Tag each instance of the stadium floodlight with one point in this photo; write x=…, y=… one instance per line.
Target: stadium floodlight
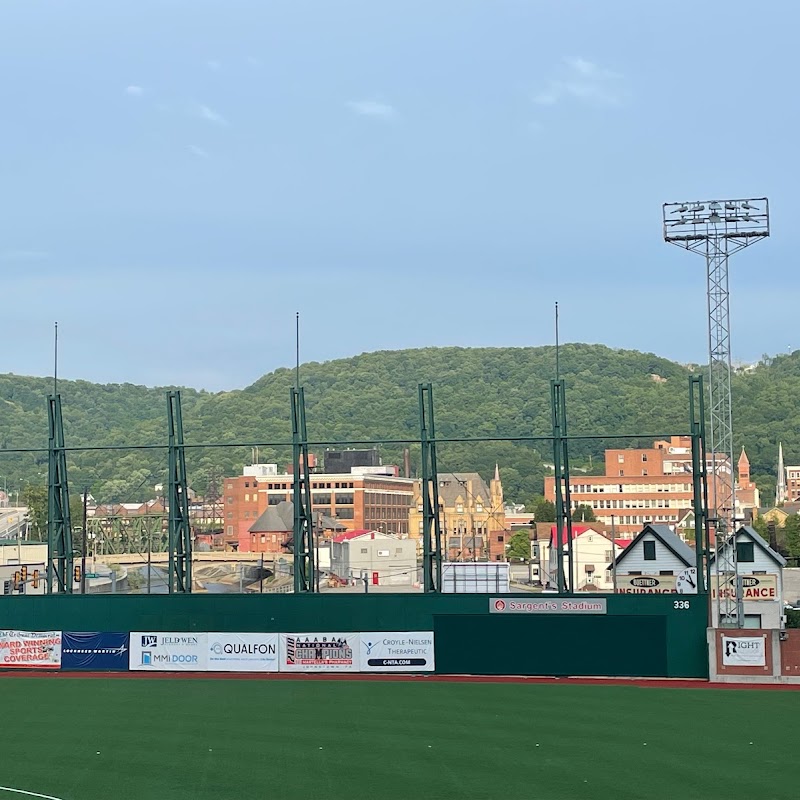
x=716, y=229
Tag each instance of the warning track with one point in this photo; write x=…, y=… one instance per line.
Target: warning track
x=651, y=683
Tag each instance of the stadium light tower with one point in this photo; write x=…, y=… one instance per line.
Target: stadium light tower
x=717, y=229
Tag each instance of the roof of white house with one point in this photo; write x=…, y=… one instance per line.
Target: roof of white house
x=753, y=534
x=668, y=538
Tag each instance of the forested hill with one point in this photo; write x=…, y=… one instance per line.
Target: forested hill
x=481, y=392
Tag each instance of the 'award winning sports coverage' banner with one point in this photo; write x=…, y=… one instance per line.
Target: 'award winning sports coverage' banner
x=243, y=652
x=30, y=649
x=397, y=652
x=96, y=651
x=169, y=652
x=322, y=652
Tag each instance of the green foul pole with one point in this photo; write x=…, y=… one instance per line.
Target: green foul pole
x=431, y=523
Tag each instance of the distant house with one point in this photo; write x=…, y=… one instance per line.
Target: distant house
x=657, y=561
x=592, y=553
x=275, y=527
x=760, y=571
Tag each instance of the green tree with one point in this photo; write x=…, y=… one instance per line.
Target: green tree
x=583, y=513
x=791, y=535
x=35, y=498
x=520, y=545
x=544, y=511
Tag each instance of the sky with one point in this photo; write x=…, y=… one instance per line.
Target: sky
x=178, y=178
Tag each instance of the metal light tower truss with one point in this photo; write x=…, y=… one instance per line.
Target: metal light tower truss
x=303, y=515
x=562, y=488
x=431, y=522
x=59, y=525
x=717, y=229
x=180, y=539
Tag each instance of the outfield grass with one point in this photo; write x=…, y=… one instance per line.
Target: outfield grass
x=98, y=739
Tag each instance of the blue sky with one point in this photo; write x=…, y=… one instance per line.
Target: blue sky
x=180, y=176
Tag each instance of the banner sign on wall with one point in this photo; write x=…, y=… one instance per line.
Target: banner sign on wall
x=743, y=651
x=502, y=605
x=98, y=651
x=40, y=650
x=397, y=652
x=754, y=587
x=327, y=652
x=171, y=652
x=243, y=652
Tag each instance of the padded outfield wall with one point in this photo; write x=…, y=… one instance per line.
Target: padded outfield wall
x=637, y=636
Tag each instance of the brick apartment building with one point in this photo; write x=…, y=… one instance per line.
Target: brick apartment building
x=642, y=486
x=374, y=498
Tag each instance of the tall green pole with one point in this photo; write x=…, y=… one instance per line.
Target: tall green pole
x=180, y=538
x=431, y=523
x=567, y=491
x=59, y=524
x=557, y=470
x=303, y=532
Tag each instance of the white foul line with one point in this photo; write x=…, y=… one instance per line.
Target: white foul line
x=29, y=794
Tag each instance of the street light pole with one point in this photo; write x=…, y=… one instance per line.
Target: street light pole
x=83, y=545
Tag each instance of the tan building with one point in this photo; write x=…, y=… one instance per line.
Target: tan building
x=472, y=516
x=640, y=487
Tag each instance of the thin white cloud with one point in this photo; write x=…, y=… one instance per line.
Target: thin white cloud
x=584, y=81
x=198, y=151
x=210, y=115
x=24, y=255
x=372, y=108
x=134, y=91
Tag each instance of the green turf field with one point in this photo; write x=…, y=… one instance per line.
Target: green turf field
x=98, y=739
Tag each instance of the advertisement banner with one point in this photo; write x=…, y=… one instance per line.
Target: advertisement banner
x=503, y=605
x=397, y=652
x=743, y=651
x=169, y=652
x=243, y=652
x=754, y=587
x=97, y=651
x=322, y=652
x=30, y=649
x=646, y=584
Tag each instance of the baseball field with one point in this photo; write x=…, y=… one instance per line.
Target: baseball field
x=80, y=738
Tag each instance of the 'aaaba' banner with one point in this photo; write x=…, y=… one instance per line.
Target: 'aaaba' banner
x=169, y=652
x=320, y=652
x=243, y=652
x=96, y=651
x=397, y=652
x=30, y=649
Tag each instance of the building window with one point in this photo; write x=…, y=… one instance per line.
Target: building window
x=621, y=473
x=246, y=485
x=459, y=508
x=500, y=538
x=745, y=551
x=649, y=550
x=230, y=530
x=228, y=499
x=479, y=507
x=644, y=456
x=247, y=498
x=344, y=499
x=620, y=459
x=344, y=513
x=363, y=551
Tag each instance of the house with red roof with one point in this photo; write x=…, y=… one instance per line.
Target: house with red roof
x=593, y=552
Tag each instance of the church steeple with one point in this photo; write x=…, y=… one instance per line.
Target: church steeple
x=780, y=488
x=743, y=469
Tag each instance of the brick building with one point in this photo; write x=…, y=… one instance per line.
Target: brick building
x=375, y=501
x=641, y=487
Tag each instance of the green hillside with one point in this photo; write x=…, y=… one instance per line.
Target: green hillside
x=478, y=392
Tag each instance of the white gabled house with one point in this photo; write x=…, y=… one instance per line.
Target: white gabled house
x=760, y=569
x=657, y=561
